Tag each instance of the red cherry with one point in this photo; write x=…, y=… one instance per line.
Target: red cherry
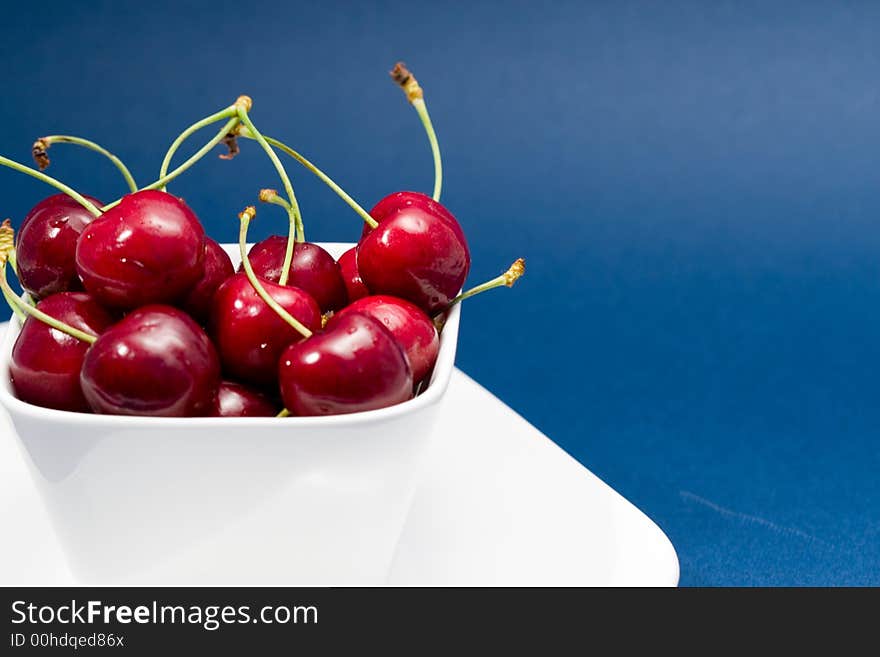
x=148, y=249
x=398, y=200
x=350, y=275
x=410, y=326
x=354, y=366
x=46, y=363
x=249, y=335
x=218, y=267
x=236, y=400
x=45, y=249
x=155, y=361
x=312, y=269
x=417, y=252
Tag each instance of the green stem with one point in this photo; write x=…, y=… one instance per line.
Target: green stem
x=39, y=175
x=283, y=413
x=204, y=150
x=508, y=278
x=271, y=196
x=320, y=174
x=10, y=258
x=245, y=218
x=295, y=215
x=416, y=96
x=422, y=110
x=46, y=142
x=9, y=294
x=183, y=136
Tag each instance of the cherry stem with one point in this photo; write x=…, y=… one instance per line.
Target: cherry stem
x=164, y=178
x=271, y=196
x=354, y=205
x=245, y=217
x=416, y=96
x=422, y=111
x=507, y=279
x=8, y=294
x=227, y=113
x=283, y=413
x=198, y=155
x=41, y=156
x=294, y=212
x=57, y=184
x=7, y=240
x=13, y=261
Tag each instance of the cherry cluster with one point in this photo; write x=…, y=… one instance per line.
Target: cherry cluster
x=131, y=309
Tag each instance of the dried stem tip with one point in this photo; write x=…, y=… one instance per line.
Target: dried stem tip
x=40, y=152
x=268, y=195
x=244, y=102
x=517, y=269
x=508, y=278
x=407, y=81
x=231, y=143
x=248, y=213
x=7, y=240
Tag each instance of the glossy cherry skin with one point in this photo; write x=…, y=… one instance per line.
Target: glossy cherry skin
x=398, y=200
x=237, y=400
x=410, y=326
x=417, y=252
x=312, y=269
x=155, y=361
x=46, y=363
x=355, y=365
x=249, y=335
x=45, y=247
x=148, y=249
x=218, y=267
x=350, y=275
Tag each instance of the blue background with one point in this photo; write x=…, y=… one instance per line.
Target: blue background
x=695, y=186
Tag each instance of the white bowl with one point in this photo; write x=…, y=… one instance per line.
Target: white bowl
x=226, y=500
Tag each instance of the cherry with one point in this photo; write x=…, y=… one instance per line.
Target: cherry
x=147, y=249
x=394, y=202
x=236, y=400
x=46, y=362
x=250, y=335
x=218, y=267
x=355, y=365
x=417, y=252
x=312, y=269
x=46, y=246
x=350, y=275
x=267, y=257
x=155, y=361
x=410, y=326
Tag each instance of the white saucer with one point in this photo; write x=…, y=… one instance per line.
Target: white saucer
x=500, y=504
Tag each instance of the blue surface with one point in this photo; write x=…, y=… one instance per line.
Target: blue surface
x=694, y=185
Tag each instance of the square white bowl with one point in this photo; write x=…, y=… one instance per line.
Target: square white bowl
x=229, y=499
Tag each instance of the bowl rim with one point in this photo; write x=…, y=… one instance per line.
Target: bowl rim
x=438, y=384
